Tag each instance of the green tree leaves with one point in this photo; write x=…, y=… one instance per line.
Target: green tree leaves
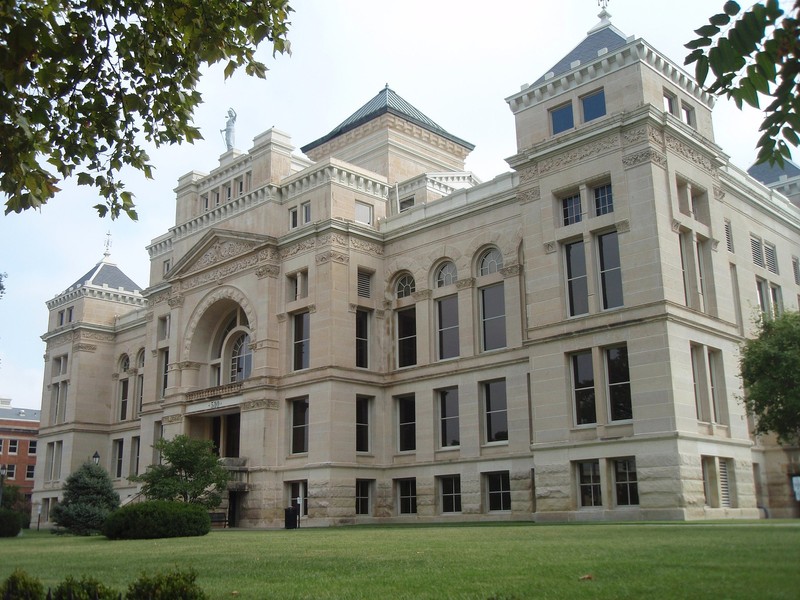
x=189, y=471
x=757, y=54
x=89, y=497
x=83, y=82
x=770, y=369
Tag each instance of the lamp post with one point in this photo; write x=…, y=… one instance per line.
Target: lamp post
x=96, y=457
x=2, y=481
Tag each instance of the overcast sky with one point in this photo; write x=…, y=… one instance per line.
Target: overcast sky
x=455, y=60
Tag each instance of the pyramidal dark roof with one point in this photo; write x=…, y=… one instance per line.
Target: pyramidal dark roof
x=387, y=101
x=106, y=273
x=769, y=174
x=602, y=36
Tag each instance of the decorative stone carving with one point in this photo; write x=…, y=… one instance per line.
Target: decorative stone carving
x=644, y=156
x=270, y=404
x=171, y=419
x=623, y=226
x=176, y=301
x=586, y=151
x=379, y=314
x=550, y=247
x=216, y=275
x=332, y=256
x=714, y=244
x=676, y=225
x=214, y=297
x=511, y=270
x=221, y=250
x=84, y=348
x=463, y=284
x=530, y=195
x=421, y=295
x=270, y=253
x=268, y=271
x=188, y=364
x=94, y=335
x=281, y=317
x=719, y=193
x=365, y=246
x=294, y=249
x=330, y=239
x=159, y=298
x=528, y=174
x=688, y=152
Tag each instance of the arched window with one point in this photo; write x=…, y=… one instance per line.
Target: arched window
x=491, y=262
x=124, y=386
x=405, y=286
x=446, y=274
x=124, y=364
x=241, y=358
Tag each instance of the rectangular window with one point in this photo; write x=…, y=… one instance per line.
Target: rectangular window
x=294, y=218
x=449, y=434
x=407, y=496
x=11, y=471
x=771, y=258
x=302, y=341
x=406, y=203
x=589, y=483
x=166, y=266
x=70, y=313
x=363, y=488
x=363, y=213
x=30, y=471
x=299, y=426
x=610, y=270
x=450, y=487
x=407, y=337
x=447, y=316
x=305, y=209
x=625, y=482
x=619, y=383
x=687, y=115
x=406, y=423
x=571, y=209
x=496, y=407
x=135, y=448
x=577, y=283
x=498, y=491
x=583, y=388
x=13, y=447
x=123, y=399
x=796, y=269
x=603, y=200
x=32, y=444
x=362, y=338
x=364, y=284
x=728, y=235
x=60, y=318
x=670, y=103
x=298, y=285
x=756, y=249
x=163, y=365
x=2, y=441
x=561, y=118
x=118, y=446
x=362, y=423
x=594, y=106
x=139, y=390
x=493, y=317
x=298, y=497
x=163, y=327
x=769, y=298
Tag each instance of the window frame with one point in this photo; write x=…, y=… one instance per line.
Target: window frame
x=449, y=418
x=450, y=494
x=301, y=340
x=571, y=209
x=406, y=495
x=406, y=321
x=559, y=122
x=589, y=484
x=447, y=327
x=362, y=338
x=609, y=266
x=587, y=101
x=363, y=417
x=577, y=282
x=406, y=411
x=618, y=390
x=363, y=493
x=584, y=397
x=498, y=491
x=603, y=199
x=626, y=487
x=300, y=417
x=495, y=408
x=493, y=324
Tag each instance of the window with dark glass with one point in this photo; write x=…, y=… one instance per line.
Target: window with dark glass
x=406, y=423
x=561, y=118
x=447, y=313
x=123, y=399
x=493, y=317
x=300, y=426
x=241, y=359
x=362, y=338
x=298, y=492
x=491, y=262
x=451, y=493
x=448, y=417
x=363, y=487
x=362, y=423
x=405, y=287
x=583, y=388
x=625, y=482
x=446, y=274
x=118, y=448
x=302, y=332
x=610, y=270
x=603, y=200
x=619, y=383
x=571, y=209
x=594, y=105
x=498, y=489
x=589, y=483
x=407, y=337
x=407, y=494
x=495, y=404
x=577, y=285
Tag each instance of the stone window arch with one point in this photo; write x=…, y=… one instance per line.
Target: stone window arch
x=491, y=261
x=405, y=286
x=446, y=274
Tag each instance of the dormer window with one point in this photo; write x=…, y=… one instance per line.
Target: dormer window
x=594, y=105
x=406, y=203
x=561, y=118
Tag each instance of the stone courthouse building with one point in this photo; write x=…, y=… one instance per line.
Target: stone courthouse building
x=368, y=332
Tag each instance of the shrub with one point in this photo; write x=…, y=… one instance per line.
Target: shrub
x=86, y=588
x=157, y=519
x=89, y=497
x=21, y=586
x=174, y=585
x=10, y=523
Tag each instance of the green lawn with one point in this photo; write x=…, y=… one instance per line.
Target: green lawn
x=698, y=560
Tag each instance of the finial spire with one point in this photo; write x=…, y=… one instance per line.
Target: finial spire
x=602, y=4
x=107, y=252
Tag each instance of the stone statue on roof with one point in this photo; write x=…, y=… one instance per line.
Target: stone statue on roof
x=229, y=131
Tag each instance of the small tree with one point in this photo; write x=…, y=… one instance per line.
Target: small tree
x=770, y=369
x=89, y=498
x=189, y=471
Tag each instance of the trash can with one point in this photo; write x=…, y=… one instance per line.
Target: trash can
x=289, y=518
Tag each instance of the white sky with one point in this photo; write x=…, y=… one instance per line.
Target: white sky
x=455, y=60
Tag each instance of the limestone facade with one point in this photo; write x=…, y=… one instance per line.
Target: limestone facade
x=375, y=336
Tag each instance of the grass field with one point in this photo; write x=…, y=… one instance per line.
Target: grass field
x=508, y=561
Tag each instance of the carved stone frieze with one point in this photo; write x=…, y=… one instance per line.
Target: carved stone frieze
x=676, y=225
x=567, y=159
x=632, y=136
x=528, y=174
x=159, y=298
x=267, y=271
x=221, y=250
x=188, y=364
x=623, y=226
x=216, y=275
x=421, y=295
x=530, y=195
x=511, y=270
x=463, y=284
x=719, y=193
x=689, y=153
x=332, y=256
x=176, y=301
x=84, y=348
x=270, y=404
x=171, y=419
x=332, y=239
x=294, y=249
x=270, y=253
x=550, y=247
x=94, y=335
x=62, y=338
x=365, y=246
x=644, y=156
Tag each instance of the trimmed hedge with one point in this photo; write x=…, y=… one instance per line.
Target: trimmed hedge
x=172, y=585
x=85, y=588
x=21, y=586
x=157, y=519
x=10, y=523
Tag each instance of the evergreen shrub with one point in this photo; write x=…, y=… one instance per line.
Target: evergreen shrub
x=157, y=519
x=10, y=523
x=85, y=588
x=21, y=586
x=173, y=585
